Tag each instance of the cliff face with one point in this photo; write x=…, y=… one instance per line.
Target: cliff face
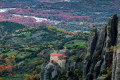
x=49, y=71
x=116, y=57
x=99, y=55
x=52, y=70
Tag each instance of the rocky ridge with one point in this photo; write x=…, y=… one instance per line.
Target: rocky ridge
x=116, y=57
x=99, y=57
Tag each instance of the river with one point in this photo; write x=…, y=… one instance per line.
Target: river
x=38, y=19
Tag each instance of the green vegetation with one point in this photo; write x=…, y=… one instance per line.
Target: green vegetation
x=9, y=27
x=33, y=60
x=21, y=48
x=9, y=54
x=50, y=51
x=6, y=78
x=21, y=55
x=15, y=76
x=81, y=44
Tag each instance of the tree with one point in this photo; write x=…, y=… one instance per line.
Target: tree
x=111, y=48
x=34, y=72
x=67, y=74
x=80, y=78
x=27, y=77
x=33, y=76
x=8, y=61
x=4, y=56
x=1, y=79
x=7, y=68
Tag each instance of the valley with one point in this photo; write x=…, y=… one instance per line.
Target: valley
x=59, y=39
x=63, y=15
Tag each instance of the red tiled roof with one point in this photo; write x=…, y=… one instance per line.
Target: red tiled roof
x=64, y=56
x=58, y=54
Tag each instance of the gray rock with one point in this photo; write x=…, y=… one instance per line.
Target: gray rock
x=103, y=66
x=101, y=78
x=89, y=77
x=91, y=43
x=101, y=41
x=54, y=74
x=72, y=66
x=49, y=71
x=99, y=56
x=97, y=68
x=91, y=46
x=116, y=58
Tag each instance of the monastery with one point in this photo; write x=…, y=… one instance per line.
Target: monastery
x=58, y=58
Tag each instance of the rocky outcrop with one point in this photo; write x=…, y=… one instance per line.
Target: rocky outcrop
x=116, y=57
x=101, y=78
x=52, y=69
x=91, y=47
x=99, y=55
x=49, y=71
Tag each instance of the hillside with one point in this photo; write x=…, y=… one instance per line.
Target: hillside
x=14, y=32
x=10, y=27
x=20, y=50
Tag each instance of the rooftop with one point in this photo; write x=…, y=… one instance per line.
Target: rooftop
x=58, y=54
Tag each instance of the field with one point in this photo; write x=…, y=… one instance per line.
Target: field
x=75, y=43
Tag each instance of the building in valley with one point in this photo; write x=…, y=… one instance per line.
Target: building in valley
x=58, y=58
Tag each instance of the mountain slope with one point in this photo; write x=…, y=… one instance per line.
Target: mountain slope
x=25, y=49
x=39, y=35
x=15, y=35
x=10, y=27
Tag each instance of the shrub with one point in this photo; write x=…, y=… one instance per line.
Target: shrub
x=111, y=48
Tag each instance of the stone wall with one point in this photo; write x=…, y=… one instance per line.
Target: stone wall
x=62, y=63
x=54, y=58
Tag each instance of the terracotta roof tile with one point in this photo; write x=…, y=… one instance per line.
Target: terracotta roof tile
x=58, y=54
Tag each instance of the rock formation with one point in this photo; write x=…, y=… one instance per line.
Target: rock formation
x=52, y=69
x=99, y=55
x=116, y=57
x=49, y=71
